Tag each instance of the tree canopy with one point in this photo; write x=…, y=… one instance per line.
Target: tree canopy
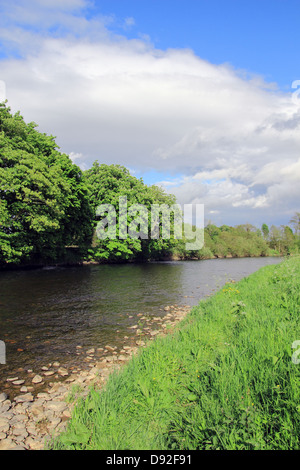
x=44, y=204
x=107, y=183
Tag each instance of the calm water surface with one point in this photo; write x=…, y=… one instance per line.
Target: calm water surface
x=46, y=313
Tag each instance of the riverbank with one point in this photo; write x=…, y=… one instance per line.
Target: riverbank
x=225, y=379
x=34, y=409
x=80, y=263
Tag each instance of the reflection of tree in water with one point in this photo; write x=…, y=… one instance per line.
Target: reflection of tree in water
x=46, y=314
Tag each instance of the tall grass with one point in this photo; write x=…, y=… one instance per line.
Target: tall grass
x=224, y=379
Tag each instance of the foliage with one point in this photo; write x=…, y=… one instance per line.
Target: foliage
x=43, y=199
x=107, y=183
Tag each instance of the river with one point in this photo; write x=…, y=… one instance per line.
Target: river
x=45, y=314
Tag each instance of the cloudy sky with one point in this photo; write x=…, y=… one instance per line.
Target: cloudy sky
x=202, y=97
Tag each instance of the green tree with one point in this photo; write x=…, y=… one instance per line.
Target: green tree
x=43, y=199
x=295, y=221
x=107, y=183
x=288, y=239
x=265, y=230
x=275, y=238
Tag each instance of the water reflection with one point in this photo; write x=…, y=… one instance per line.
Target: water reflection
x=46, y=313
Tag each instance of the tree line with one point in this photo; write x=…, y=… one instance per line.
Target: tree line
x=48, y=209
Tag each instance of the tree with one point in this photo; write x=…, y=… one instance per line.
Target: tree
x=43, y=198
x=275, y=238
x=247, y=228
x=107, y=183
x=265, y=230
x=295, y=221
x=288, y=239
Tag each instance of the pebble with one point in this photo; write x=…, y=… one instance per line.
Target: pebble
x=3, y=397
x=18, y=382
x=37, y=379
x=4, y=424
x=6, y=444
x=57, y=406
x=48, y=373
x=122, y=357
x=63, y=372
x=24, y=398
x=90, y=351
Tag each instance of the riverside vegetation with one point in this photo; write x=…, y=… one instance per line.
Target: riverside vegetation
x=223, y=378
x=48, y=204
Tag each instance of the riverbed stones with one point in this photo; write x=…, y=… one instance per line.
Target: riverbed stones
x=6, y=444
x=48, y=373
x=37, y=379
x=57, y=406
x=3, y=397
x=27, y=397
x=4, y=424
x=18, y=382
x=31, y=418
x=63, y=371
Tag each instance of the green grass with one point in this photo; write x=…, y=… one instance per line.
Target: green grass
x=224, y=379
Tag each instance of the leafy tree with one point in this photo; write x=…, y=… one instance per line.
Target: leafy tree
x=247, y=228
x=288, y=239
x=275, y=238
x=213, y=231
x=265, y=230
x=107, y=183
x=43, y=198
x=295, y=221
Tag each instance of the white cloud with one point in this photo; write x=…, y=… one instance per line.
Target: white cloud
x=129, y=21
x=235, y=138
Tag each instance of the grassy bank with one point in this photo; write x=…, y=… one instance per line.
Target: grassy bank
x=224, y=379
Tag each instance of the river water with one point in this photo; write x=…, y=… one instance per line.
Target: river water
x=46, y=313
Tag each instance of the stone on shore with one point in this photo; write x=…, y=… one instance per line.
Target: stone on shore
x=24, y=398
x=37, y=379
x=3, y=397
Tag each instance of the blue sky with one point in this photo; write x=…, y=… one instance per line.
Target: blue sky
x=194, y=95
x=260, y=36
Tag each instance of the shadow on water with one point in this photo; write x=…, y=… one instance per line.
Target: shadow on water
x=46, y=313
